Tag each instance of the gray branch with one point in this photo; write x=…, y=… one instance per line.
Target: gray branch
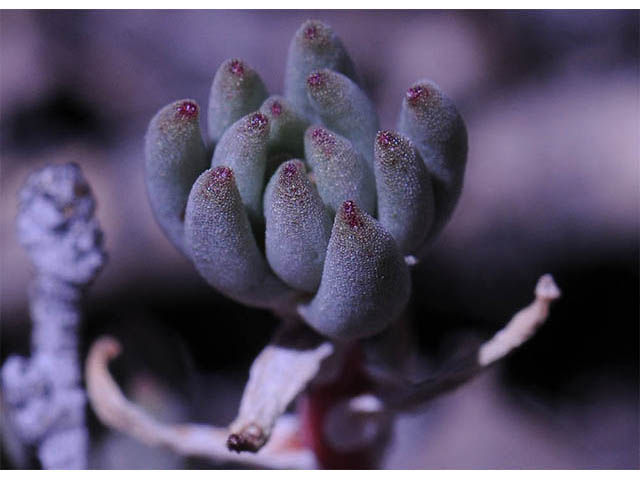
x=44, y=395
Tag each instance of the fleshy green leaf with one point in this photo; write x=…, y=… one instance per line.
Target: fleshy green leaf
x=287, y=126
x=174, y=157
x=298, y=227
x=344, y=108
x=236, y=90
x=340, y=172
x=365, y=282
x=313, y=47
x=243, y=148
x=405, y=196
x=432, y=122
x=223, y=248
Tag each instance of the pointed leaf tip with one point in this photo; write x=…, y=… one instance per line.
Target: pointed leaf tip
x=416, y=93
x=315, y=34
x=316, y=79
x=351, y=215
x=187, y=109
x=219, y=178
x=236, y=67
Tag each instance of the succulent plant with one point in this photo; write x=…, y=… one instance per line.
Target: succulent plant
x=299, y=203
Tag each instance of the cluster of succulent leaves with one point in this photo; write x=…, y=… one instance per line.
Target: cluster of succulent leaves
x=299, y=202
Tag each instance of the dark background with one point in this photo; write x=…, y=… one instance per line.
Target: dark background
x=551, y=101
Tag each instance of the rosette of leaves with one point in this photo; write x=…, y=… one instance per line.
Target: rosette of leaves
x=299, y=202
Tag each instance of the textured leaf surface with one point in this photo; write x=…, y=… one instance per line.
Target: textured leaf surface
x=243, y=148
x=287, y=126
x=431, y=120
x=298, y=227
x=174, y=157
x=237, y=90
x=223, y=248
x=344, y=108
x=405, y=196
x=365, y=282
x=313, y=47
x=340, y=172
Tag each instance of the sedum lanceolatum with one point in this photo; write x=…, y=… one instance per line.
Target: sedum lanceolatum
x=299, y=203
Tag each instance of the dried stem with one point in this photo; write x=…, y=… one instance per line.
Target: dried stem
x=114, y=410
x=522, y=326
x=278, y=375
x=281, y=371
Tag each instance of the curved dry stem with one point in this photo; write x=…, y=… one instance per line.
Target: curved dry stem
x=522, y=326
x=281, y=371
x=115, y=411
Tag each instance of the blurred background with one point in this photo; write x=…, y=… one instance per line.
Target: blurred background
x=551, y=101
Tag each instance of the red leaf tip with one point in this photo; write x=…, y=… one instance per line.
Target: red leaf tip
x=187, y=109
x=323, y=138
x=387, y=139
x=351, y=215
x=257, y=122
x=415, y=93
x=221, y=173
x=276, y=109
x=217, y=177
x=314, y=34
x=290, y=169
x=290, y=180
x=320, y=135
x=310, y=32
x=236, y=67
x=316, y=79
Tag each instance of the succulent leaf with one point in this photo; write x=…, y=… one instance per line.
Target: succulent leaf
x=313, y=47
x=287, y=126
x=298, y=227
x=243, y=148
x=174, y=157
x=237, y=90
x=344, y=108
x=431, y=120
x=223, y=248
x=365, y=281
x=340, y=172
x=405, y=195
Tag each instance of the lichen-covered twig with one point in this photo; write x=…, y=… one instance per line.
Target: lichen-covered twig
x=44, y=397
x=114, y=410
x=520, y=328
